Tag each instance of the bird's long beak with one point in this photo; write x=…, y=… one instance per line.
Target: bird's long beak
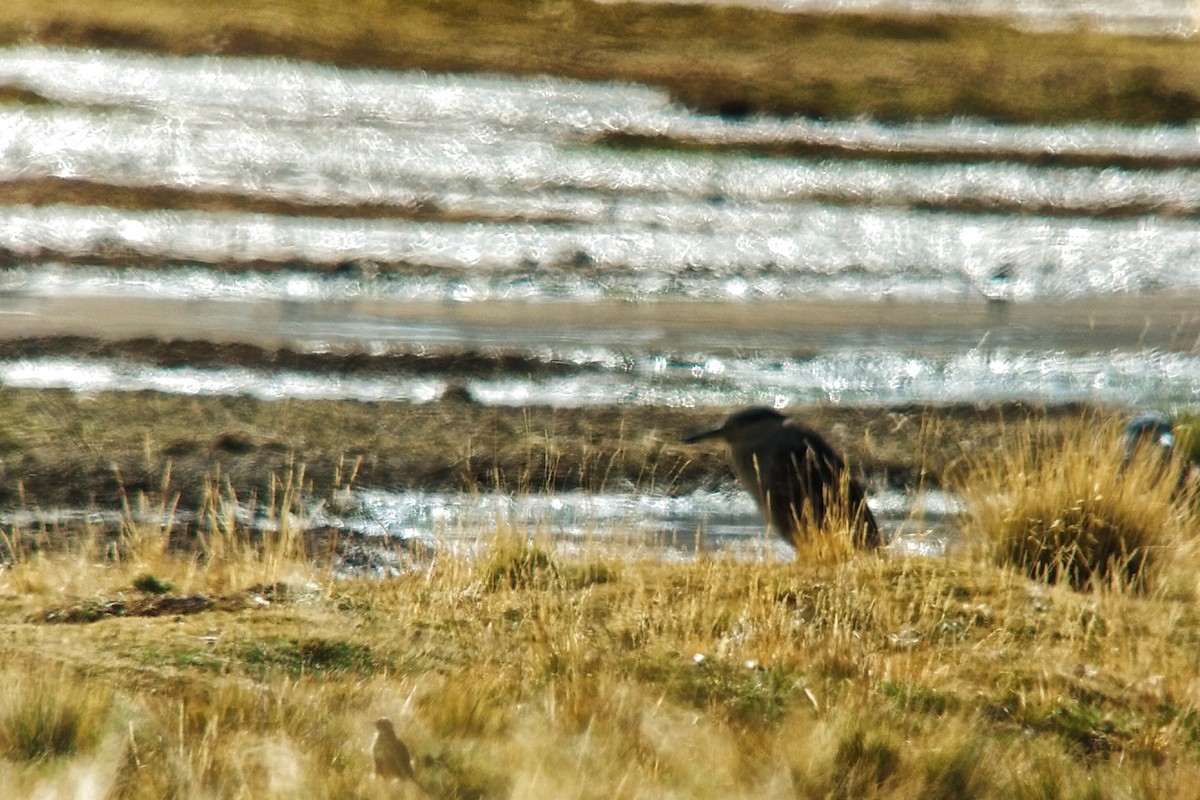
x=700, y=436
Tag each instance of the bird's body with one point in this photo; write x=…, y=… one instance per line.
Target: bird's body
x=1149, y=431
x=392, y=759
x=1150, y=437
x=794, y=475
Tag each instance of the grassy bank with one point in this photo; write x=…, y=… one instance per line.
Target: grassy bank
x=236, y=670
x=723, y=59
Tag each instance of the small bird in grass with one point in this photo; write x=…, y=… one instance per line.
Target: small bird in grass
x=1151, y=434
x=793, y=474
x=1150, y=431
x=391, y=756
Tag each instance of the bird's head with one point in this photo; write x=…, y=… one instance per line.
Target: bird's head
x=739, y=425
x=384, y=725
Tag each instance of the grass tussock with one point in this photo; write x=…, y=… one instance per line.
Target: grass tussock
x=43, y=717
x=1062, y=507
x=1187, y=434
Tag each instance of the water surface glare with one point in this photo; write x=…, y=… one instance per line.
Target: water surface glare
x=671, y=527
x=852, y=377
x=530, y=203
x=529, y=211
x=415, y=212
x=383, y=532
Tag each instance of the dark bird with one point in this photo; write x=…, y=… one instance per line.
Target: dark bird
x=793, y=474
x=1149, y=432
x=1151, y=435
x=391, y=756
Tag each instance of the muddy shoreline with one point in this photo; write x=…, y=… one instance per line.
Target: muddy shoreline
x=62, y=449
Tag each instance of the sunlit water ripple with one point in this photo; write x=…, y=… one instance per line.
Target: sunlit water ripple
x=641, y=223
x=384, y=532
x=850, y=377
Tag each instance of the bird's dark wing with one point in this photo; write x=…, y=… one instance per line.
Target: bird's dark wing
x=801, y=473
x=815, y=472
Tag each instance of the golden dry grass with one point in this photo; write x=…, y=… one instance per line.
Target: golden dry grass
x=518, y=670
x=1060, y=505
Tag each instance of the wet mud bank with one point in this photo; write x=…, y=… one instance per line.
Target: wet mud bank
x=64, y=449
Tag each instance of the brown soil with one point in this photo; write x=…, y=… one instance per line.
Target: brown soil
x=48, y=191
x=899, y=153
x=447, y=362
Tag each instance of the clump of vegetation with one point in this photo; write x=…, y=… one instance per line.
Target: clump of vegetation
x=1187, y=437
x=318, y=657
x=1063, y=507
x=520, y=565
x=151, y=584
x=44, y=716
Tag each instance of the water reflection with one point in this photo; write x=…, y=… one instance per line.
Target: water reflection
x=382, y=532
x=671, y=528
x=821, y=251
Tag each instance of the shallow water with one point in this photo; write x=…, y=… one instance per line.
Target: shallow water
x=394, y=525
x=383, y=533
x=559, y=216
x=855, y=376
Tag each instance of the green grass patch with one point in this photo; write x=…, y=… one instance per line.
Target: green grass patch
x=191, y=659
x=151, y=584
x=920, y=699
x=745, y=693
x=311, y=657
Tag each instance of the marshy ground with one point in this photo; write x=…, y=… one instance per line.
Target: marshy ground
x=133, y=671
x=204, y=655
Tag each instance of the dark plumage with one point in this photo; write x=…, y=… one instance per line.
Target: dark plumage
x=1151, y=436
x=1151, y=431
x=792, y=473
x=391, y=756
